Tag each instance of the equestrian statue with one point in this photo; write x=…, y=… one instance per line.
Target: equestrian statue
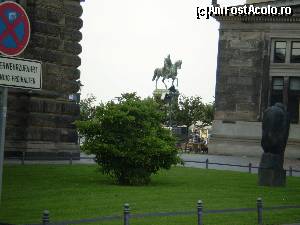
x=168, y=71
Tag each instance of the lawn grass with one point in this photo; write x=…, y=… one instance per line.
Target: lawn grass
x=73, y=192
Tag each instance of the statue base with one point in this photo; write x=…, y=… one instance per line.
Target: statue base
x=160, y=91
x=271, y=172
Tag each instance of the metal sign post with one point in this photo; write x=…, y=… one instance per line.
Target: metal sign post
x=3, y=108
x=14, y=37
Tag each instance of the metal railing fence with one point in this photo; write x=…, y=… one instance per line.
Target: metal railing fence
x=199, y=211
x=70, y=159
x=127, y=212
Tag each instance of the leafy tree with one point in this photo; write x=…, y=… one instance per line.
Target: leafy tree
x=128, y=139
x=87, y=107
x=128, y=96
x=87, y=111
x=208, y=114
x=191, y=109
x=163, y=107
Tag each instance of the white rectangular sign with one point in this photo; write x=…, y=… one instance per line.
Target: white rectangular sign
x=20, y=73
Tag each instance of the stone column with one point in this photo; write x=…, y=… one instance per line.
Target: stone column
x=286, y=91
x=41, y=122
x=299, y=111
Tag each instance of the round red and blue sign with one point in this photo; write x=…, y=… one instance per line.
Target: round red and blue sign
x=14, y=29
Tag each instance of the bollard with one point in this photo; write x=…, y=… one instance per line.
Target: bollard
x=46, y=217
x=206, y=162
x=23, y=158
x=126, y=214
x=290, y=171
x=199, y=211
x=71, y=158
x=250, y=167
x=259, y=205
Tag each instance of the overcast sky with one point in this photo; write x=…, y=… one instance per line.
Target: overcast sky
x=124, y=41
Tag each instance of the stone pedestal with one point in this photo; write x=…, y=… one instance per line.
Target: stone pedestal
x=271, y=172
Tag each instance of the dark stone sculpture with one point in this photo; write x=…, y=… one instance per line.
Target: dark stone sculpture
x=275, y=132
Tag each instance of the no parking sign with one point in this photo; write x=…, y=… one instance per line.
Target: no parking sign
x=14, y=29
x=14, y=37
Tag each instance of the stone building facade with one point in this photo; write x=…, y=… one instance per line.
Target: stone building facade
x=40, y=123
x=258, y=65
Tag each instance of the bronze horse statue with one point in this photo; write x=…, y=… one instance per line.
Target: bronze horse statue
x=168, y=71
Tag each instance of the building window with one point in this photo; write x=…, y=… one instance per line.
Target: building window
x=280, y=52
x=295, y=83
x=290, y=96
x=295, y=52
x=277, y=90
x=277, y=83
x=294, y=99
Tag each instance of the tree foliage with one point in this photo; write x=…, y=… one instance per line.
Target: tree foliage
x=191, y=110
x=208, y=114
x=163, y=107
x=128, y=139
x=87, y=107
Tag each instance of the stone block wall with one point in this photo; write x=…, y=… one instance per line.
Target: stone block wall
x=240, y=74
x=243, y=82
x=40, y=123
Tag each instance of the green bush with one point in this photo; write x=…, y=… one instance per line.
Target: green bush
x=128, y=140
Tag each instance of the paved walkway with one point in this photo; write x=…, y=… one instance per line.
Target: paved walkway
x=234, y=160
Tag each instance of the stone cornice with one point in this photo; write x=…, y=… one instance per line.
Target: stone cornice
x=277, y=3
x=260, y=19
x=265, y=19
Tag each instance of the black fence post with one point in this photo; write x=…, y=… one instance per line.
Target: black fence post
x=259, y=205
x=206, y=162
x=23, y=158
x=71, y=158
x=199, y=211
x=126, y=214
x=250, y=167
x=46, y=217
x=290, y=171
